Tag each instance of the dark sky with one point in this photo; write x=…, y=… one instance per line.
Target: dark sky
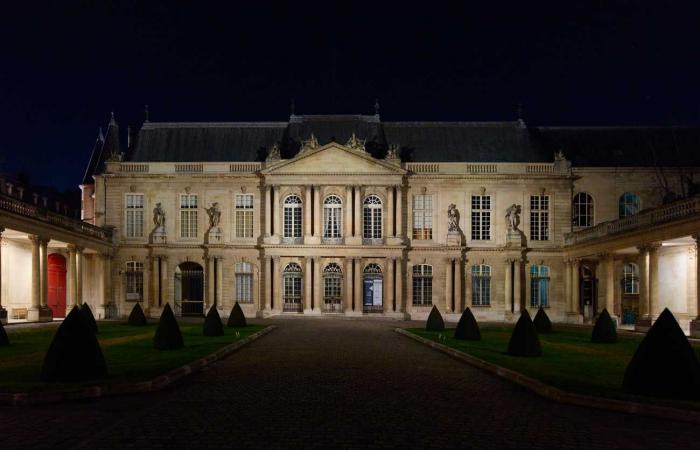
x=64, y=66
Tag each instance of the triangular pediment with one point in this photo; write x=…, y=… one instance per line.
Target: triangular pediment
x=336, y=159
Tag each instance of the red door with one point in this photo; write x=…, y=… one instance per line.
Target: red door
x=57, y=285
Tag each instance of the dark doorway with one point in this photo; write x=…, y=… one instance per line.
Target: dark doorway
x=189, y=289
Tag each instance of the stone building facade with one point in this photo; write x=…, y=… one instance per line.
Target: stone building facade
x=349, y=215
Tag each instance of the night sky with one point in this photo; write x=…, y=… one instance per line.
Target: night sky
x=65, y=66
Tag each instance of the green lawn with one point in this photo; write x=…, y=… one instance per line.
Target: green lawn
x=128, y=351
x=570, y=361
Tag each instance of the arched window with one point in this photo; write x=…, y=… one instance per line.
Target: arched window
x=372, y=217
x=332, y=217
x=630, y=278
x=583, y=210
x=291, y=282
x=629, y=204
x=292, y=217
x=332, y=282
x=481, y=285
x=244, y=282
x=539, y=286
x=372, y=293
x=422, y=284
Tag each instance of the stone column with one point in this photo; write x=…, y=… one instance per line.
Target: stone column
x=358, y=285
x=106, y=282
x=408, y=306
x=610, y=283
x=210, y=282
x=389, y=294
x=654, y=300
x=399, y=212
x=308, y=206
x=318, y=287
x=695, y=323
x=276, y=216
x=347, y=208
x=347, y=274
x=44, y=264
x=358, y=212
x=390, y=211
x=268, y=283
x=468, y=294
x=155, y=282
x=575, y=306
x=34, y=312
x=219, y=297
x=644, y=308
x=164, y=285
x=307, y=284
x=276, y=285
x=268, y=215
x=72, y=277
x=567, y=284
x=508, y=267
x=318, y=205
x=3, y=311
x=517, y=289
x=398, y=285
x=459, y=306
x=448, y=285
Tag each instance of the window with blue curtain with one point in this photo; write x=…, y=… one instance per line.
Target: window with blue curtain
x=629, y=204
x=539, y=286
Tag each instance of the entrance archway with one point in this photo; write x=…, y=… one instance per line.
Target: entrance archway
x=57, y=285
x=189, y=289
x=372, y=294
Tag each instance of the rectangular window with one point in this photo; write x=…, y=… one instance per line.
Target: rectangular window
x=481, y=217
x=539, y=217
x=134, y=281
x=539, y=286
x=422, y=217
x=481, y=285
x=134, y=215
x=244, y=215
x=422, y=285
x=244, y=282
x=188, y=215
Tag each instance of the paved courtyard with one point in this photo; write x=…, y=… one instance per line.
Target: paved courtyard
x=336, y=384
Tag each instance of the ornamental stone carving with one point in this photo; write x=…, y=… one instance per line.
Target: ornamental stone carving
x=309, y=144
x=355, y=143
x=452, y=219
x=513, y=217
x=214, y=214
x=159, y=217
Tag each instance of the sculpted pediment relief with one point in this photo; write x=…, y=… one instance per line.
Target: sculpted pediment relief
x=334, y=158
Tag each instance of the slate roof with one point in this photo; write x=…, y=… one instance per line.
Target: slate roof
x=418, y=141
x=93, y=166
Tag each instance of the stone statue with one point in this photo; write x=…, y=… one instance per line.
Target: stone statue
x=274, y=152
x=392, y=152
x=159, y=217
x=452, y=219
x=354, y=142
x=513, y=217
x=214, y=215
x=311, y=144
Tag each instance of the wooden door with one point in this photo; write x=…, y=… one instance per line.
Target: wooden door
x=57, y=285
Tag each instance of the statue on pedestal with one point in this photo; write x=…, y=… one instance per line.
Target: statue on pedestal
x=452, y=219
x=214, y=215
x=159, y=217
x=513, y=217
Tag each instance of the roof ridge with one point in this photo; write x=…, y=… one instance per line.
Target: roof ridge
x=153, y=125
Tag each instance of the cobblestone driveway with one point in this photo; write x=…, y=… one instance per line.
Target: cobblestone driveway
x=336, y=384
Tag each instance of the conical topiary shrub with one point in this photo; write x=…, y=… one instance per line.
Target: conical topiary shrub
x=665, y=364
x=236, y=319
x=4, y=340
x=604, y=331
x=467, y=328
x=74, y=353
x=212, y=323
x=524, y=341
x=542, y=322
x=137, y=317
x=435, y=322
x=87, y=313
x=168, y=335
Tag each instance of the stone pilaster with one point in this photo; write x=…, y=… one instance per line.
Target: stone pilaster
x=317, y=287
x=268, y=213
x=508, y=298
x=347, y=209
x=575, y=306
x=268, y=284
x=517, y=288
x=643, y=322
x=610, y=284
x=308, y=206
x=348, y=285
x=695, y=323
x=309, y=263
x=399, y=213
x=389, y=294
x=459, y=305
x=358, y=285
x=276, y=216
x=390, y=211
x=448, y=286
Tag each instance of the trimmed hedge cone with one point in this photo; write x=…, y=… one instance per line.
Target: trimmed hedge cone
x=435, y=322
x=665, y=364
x=168, y=335
x=74, y=353
x=4, y=340
x=467, y=328
x=137, y=317
x=87, y=313
x=604, y=331
x=524, y=341
x=542, y=322
x=236, y=319
x=212, y=323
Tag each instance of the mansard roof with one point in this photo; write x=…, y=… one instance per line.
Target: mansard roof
x=420, y=141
